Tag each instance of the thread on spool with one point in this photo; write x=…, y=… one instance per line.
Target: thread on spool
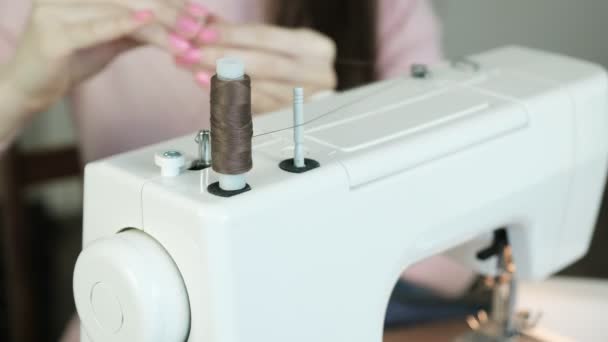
x=231, y=125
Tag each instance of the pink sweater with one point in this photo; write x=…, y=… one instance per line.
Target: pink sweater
x=142, y=98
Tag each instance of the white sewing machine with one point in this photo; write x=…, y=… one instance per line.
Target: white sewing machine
x=409, y=168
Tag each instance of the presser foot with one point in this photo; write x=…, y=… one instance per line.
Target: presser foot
x=503, y=324
x=487, y=330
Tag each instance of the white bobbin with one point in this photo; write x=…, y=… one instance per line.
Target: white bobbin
x=230, y=68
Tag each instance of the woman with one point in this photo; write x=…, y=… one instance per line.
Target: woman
x=137, y=72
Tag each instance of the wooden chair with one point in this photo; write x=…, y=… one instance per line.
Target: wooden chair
x=26, y=246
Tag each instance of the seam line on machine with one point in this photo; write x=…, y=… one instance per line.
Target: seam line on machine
x=141, y=200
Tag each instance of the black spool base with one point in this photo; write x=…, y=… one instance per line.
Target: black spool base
x=289, y=166
x=215, y=189
x=198, y=166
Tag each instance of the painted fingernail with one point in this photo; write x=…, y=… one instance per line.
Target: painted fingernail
x=190, y=57
x=208, y=35
x=197, y=10
x=203, y=79
x=179, y=44
x=188, y=27
x=143, y=16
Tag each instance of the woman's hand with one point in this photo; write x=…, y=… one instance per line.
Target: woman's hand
x=67, y=41
x=277, y=59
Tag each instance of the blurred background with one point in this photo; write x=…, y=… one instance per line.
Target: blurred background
x=42, y=181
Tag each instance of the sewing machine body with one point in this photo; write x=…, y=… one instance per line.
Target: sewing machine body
x=409, y=168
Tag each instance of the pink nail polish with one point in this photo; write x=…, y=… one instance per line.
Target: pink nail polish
x=143, y=16
x=179, y=44
x=197, y=10
x=203, y=79
x=208, y=36
x=180, y=60
x=190, y=57
x=187, y=26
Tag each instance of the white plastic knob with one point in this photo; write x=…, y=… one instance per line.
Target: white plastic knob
x=230, y=68
x=128, y=289
x=170, y=163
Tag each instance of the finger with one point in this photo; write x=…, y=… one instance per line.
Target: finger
x=180, y=3
x=284, y=91
x=177, y=26
x=262, y=102
x=106, y=29
x=280, y=91
x=133, y=4
x=167, y=12
x=185, y=19
x=273, y=38
x=275, y=95
x=93, y=60
x=196, y=10
x=265, y=65
x=155, y=35
x=81, y=14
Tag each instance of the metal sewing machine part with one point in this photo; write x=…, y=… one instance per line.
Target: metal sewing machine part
x=503, y=324
x=203, y=141
x=410, y=168
x=298, y=130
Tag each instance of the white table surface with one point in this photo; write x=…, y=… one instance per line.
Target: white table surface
x=574, y=308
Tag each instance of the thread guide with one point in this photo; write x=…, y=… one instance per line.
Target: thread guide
x=203, y=141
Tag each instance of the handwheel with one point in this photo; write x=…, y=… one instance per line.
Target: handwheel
x=127, y=288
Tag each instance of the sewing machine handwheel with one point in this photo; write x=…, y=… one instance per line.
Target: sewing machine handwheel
x=127, y=288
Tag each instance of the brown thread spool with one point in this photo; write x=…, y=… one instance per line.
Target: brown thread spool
x=231, y=128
